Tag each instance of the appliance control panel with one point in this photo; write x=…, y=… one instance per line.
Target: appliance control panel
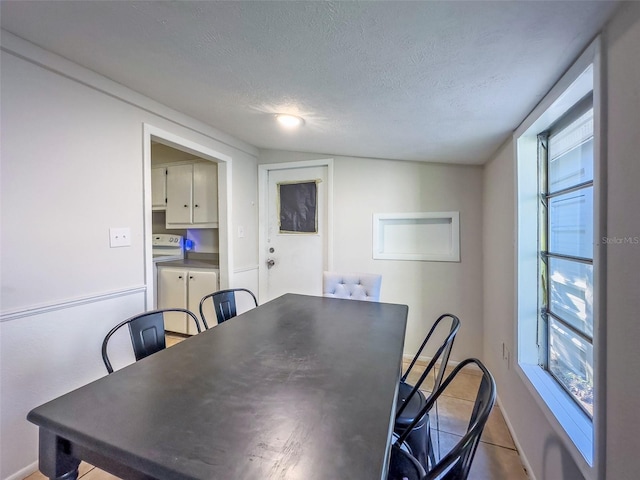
x=167, y=240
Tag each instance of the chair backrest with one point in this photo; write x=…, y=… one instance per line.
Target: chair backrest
x=353, y=286
x=147, y=333
x=224, y=304
x=457, y=462
x=441, y=356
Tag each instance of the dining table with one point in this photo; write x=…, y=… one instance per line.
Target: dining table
x=301, y=387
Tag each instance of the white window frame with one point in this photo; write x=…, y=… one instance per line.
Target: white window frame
x=583, y=438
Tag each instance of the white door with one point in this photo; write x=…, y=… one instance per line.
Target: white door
x=295, y=260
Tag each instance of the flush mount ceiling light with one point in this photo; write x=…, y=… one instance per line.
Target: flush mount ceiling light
x=289, y=121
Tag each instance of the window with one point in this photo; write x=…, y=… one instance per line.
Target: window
x=565, y=225
x=560, y=287
x=298, y=207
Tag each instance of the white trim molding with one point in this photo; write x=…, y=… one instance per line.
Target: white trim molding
x=24, y=472
x=73, y=302
x=520, y=450
x=224, y=163
x=263, y=178
x=424, y=361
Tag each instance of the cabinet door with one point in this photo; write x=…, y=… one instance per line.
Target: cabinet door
x=179, y=193
x=202, y=282
x=158, y=188
x=172, y=293
x=205, y=192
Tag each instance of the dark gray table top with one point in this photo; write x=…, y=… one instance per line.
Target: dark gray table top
x=300, y=388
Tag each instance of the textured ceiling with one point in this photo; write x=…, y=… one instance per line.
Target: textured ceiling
x=428, y=81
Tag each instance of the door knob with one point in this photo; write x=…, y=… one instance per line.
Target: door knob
x=270, y=262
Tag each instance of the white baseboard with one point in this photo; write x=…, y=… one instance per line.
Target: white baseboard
x=24, y=472
x=523, y=458
x=451, y=363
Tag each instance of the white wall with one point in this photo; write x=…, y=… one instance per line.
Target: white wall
x=622, y=58
x=72, y=167
x=363, y=187
x=545, y=453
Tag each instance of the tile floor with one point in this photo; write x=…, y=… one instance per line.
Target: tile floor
x=495, y=459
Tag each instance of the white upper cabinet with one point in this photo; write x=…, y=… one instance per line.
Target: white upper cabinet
x=179, y=194
x=192, y=195
x=159, y=188
x=205, y=193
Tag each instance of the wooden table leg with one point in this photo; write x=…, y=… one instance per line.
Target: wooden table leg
x=56, y=461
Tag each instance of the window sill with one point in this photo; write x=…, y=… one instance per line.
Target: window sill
x=565, y=417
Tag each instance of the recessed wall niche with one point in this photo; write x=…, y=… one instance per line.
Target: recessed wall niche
x=424, y=236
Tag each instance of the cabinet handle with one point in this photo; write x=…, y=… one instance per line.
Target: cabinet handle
x=186, y=206
x=190, y=278
x=196, y=205
x=180, y=277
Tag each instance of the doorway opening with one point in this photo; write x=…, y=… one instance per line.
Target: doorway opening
x=214, y=233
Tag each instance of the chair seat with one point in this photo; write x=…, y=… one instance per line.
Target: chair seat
x=418, y=439
x=416, y=403
x=403, y=466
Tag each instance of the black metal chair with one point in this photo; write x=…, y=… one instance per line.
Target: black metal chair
x=147, y=333
x=455, y=464
x=411, y=400
x=224, y=304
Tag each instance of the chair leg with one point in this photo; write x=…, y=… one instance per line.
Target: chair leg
x=430, y=450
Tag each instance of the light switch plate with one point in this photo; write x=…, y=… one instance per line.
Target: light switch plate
x=119, y=237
